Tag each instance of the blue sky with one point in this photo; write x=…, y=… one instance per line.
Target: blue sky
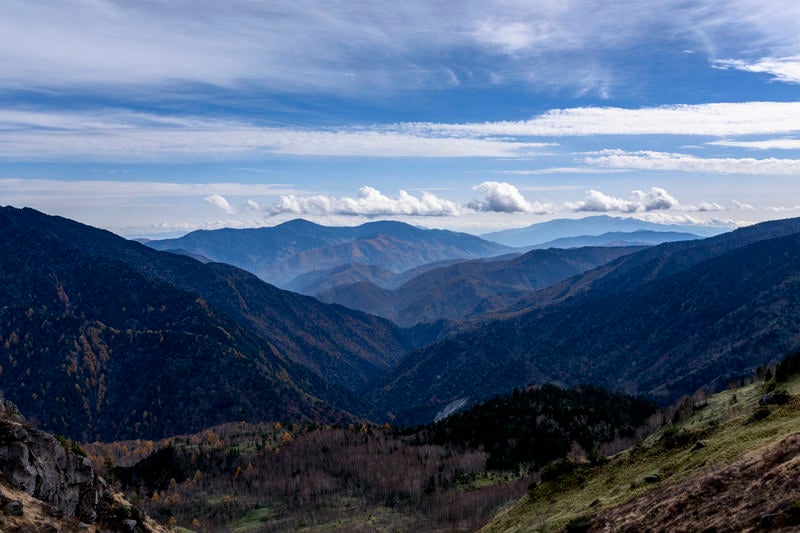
x=154, y=117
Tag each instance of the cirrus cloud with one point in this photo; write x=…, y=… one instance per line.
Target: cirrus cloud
x=650, y=160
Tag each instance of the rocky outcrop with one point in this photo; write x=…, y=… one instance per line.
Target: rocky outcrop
x=55, y=473
x=40, y=465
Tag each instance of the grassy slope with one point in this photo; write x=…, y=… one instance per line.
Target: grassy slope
x=599, y=489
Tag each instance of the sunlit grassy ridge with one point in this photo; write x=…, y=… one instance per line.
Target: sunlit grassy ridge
x=725, y=423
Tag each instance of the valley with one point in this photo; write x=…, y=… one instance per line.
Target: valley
x=431, y=395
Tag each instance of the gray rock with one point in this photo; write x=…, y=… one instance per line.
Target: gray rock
x=698, y=445
x=130, y=525
x=14, y=508
x=652, y=478
x=37, y=463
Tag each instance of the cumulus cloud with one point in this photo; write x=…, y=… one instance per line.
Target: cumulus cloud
x=649, y=160
x=742, y=205
x=496, y=197
x=501, y=197
x=653, y=200
x=641, y=201
x=370, y=202
x=220, y=202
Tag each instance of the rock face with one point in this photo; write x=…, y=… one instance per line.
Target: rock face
x=37, y=463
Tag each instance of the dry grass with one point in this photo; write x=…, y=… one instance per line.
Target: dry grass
x=733, y=448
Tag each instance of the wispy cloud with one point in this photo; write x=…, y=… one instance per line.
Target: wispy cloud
x=134, y=137
x=785, y=69
x=649, y=160
x=714, y=119
x=126, y=136
x=766, y=144
x=17, y=188
x=314, y=45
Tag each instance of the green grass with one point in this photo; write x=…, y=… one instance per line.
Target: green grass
x=720, y=424
x=254, y=520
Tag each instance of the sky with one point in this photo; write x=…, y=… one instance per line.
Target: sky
x=154, y=118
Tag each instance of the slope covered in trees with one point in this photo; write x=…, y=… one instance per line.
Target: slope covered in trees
x=452, y=475
x=471, y=287
x=104, y=337
x=664, y=322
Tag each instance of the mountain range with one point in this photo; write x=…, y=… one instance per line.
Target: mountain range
x=640, y=237
x=545, y=232
x=107, y=338
x=469, y=288
x=663, y=321
x=281, y=253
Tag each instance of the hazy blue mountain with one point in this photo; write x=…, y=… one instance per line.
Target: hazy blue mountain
x=281, y=253
x=620, y=238
x=470, y=287
x=663, y=321
x=595, y=225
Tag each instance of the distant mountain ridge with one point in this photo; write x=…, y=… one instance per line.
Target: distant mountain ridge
x=280, y=253
x=640, y=237
x=470, y=287
x=663, y=321
x=589, y=226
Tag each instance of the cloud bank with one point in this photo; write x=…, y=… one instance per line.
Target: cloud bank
x=141, y=137
x=370, y=202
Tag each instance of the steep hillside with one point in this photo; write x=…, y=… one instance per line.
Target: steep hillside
x=730, y=466
x=281, y=253
x=450, y=476
x=664, y=322
x=105, y=338
x=470, y=287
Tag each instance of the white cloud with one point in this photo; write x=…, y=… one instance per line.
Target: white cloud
x=369, y=202
x=561, y=170
x=338, y=46
x=785, y=69
x=501, y=197
x=713, y=119
x=767, y=144
x=125, y=136
x=24, y=189
x=653, y=200
x=220, y=202
x=648, y=160
x=741, y=205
